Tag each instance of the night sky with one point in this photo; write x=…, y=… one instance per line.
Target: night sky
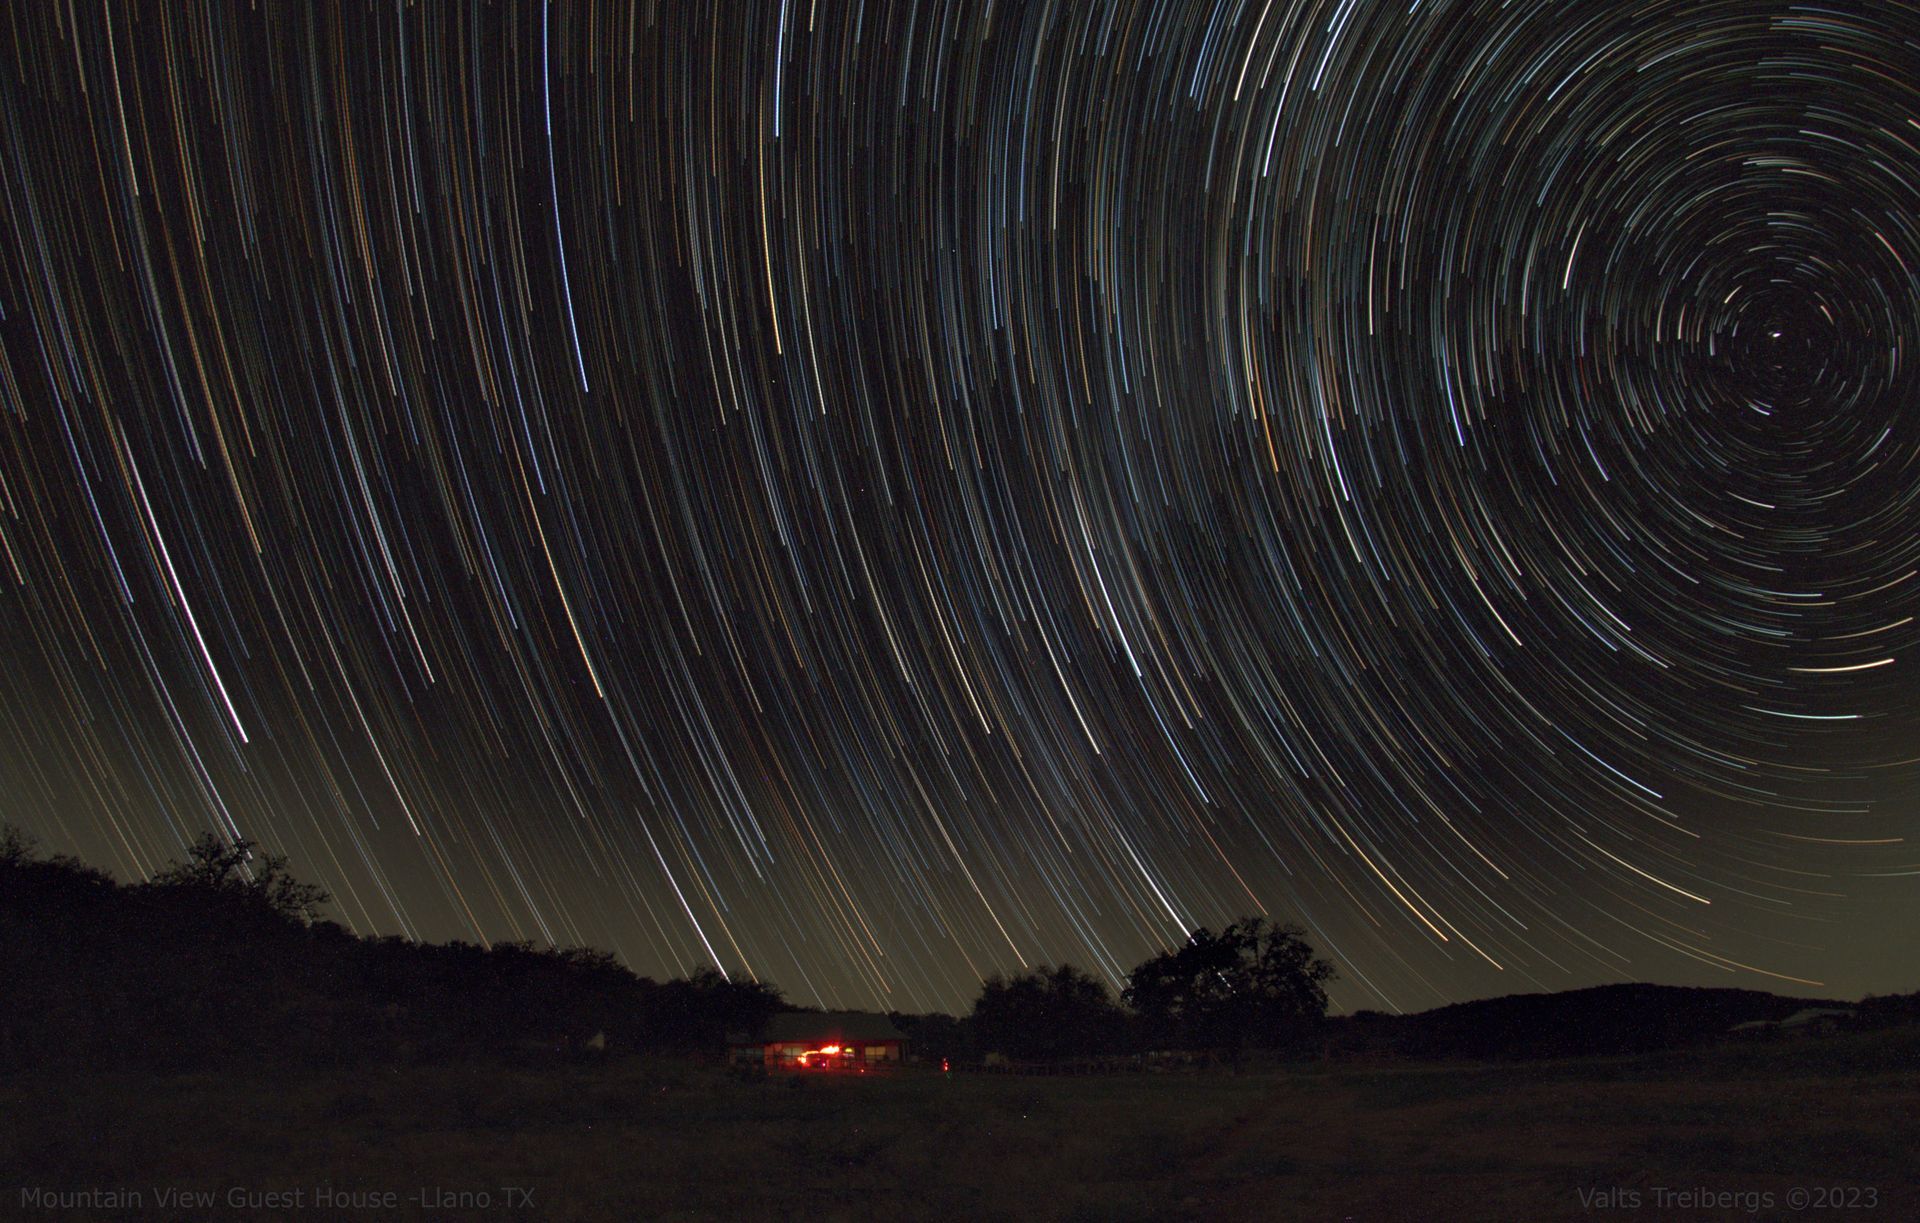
x=866, y=495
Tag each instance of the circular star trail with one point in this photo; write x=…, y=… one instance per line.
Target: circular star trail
x=865, y=495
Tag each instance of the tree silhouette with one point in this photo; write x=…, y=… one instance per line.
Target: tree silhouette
x=700, y=1012
x=16, y=847
x=1253, y=984
x=1047, y=1013
x=233, y=869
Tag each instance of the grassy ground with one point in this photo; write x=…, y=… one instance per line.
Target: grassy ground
x=634, y=1140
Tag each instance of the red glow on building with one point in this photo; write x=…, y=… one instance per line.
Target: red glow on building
x=849, y=1042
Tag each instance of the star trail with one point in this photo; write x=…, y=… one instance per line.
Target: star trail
x=864, y=495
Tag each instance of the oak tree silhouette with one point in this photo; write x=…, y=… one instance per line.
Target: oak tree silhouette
x=1251, y=985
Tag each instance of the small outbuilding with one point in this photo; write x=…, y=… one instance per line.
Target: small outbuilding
x=825, y=1040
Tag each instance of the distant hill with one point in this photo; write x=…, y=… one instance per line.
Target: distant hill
x=1603, y=1020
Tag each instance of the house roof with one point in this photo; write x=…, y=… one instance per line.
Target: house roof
x=814, y=1026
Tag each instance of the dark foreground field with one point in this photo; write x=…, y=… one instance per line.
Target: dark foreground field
x=632, y=1140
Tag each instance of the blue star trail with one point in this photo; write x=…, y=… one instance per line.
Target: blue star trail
x=865, y=495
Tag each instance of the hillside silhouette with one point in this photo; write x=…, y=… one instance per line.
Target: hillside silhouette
x=1602, y=1021
x=224, y=959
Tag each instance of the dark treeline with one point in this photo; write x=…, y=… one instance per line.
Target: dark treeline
x=224, y=959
